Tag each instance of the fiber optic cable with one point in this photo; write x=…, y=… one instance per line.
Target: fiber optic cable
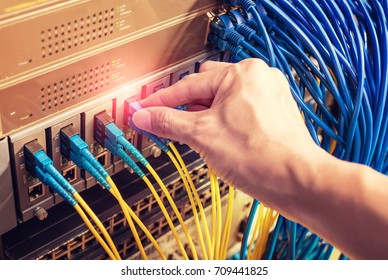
x=124, y=208
x=37, y=158
x=228, y=224
x=75, y=149
x=36, y=163
x=213, y=213
x=197, y=198
x=264, y=231
x=251, y=216
x=190, y=190
x=115, y=141
x=255, y=233
x=111, y=137
x=216, y=214
x=175, y=209
x=136, y=106
x=192, y=203
x=128, y=160
x=97, y=221
x=219, y=218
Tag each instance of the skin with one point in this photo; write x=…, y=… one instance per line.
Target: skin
x=246, y=126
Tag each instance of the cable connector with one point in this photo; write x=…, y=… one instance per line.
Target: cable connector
x=224, y=45
x=38, y=163
x=76, y=150
x=112, y=138
x=132, y=108
x=33, y=153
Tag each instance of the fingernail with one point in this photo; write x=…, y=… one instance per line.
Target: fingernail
x=142, y=119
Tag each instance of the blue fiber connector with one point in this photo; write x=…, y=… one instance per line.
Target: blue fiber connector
x=85, y=164
x=115, y=139
x=81, y=150
x=47, y=179
x=135, y=106
x=76, y=150
x=131, y=163
x=42, y=161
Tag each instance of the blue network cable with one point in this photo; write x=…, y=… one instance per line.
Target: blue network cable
x=336, y=52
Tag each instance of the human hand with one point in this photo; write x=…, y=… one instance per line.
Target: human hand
x=241, y=119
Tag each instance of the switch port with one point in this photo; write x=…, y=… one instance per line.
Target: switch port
x=36, y=191
x=70, y=174
x=103, y=158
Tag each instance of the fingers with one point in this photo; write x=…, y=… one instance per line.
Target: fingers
x=212, y=65
x=190, y=88
x=193, y=87
x=167, y=122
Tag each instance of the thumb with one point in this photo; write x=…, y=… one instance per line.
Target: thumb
x=166, y=122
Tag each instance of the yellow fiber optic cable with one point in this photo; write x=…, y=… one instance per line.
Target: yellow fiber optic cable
x=214, y=212
x=219, y=219
x=228, y=224
x=166, y=215
x=267, y=227
x=98, y=223
x=192, y=203
x=175, y=209
x=100, y=240
x=117, y=194
x=261, y=235
x=197, y=199
x=143, y=228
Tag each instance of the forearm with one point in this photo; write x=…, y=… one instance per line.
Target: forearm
x=344, y=203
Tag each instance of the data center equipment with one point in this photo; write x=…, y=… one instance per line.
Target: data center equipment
x=71, y=73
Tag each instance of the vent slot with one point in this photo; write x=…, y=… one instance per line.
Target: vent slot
x=75, y=86
x=79, y=32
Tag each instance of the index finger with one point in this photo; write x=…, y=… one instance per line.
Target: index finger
x=192, y=87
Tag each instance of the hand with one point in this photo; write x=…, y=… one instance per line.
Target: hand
x=246, y=126
x=241, y=119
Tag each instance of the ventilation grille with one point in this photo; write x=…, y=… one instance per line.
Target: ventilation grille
x=76, y=33
x=75, y=86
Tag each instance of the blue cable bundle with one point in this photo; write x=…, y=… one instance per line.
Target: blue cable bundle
x=334, y=55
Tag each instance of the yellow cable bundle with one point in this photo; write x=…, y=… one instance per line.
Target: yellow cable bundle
x=175, y=209
x=98, y=223
x=123, y=205
x=216, y=214
x=192, y=203
x=142, y=226
x=264, y=222
x=166, y=215
x=197, y=199
x=100, y=240
x=228, y=224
